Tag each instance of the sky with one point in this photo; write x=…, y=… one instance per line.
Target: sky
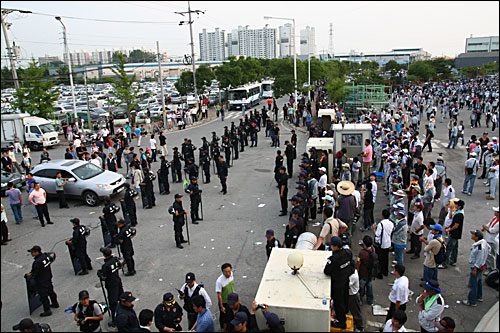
x=363, y=26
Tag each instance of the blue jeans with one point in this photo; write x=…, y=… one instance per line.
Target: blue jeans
x=453, y=141
x=475, y=287
x=472, y=180
x=430, y=274
x=399, y=255
x=16, y=209
x=366, y=283
x=451, y=251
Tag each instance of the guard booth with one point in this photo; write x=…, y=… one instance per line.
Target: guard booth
x=351, y=137
x=301, y=300
x=323, y=144
x=327, y=116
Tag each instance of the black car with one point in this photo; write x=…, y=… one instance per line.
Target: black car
x=18, y=180
x=120, y=113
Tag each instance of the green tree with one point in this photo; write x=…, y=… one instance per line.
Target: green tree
x=204, y=77
x=124, y=89
x=141, y=56
x=335, y=89
x=63, y=73
x=34, y=97
x=369, y=76
x=422, y=70
x=393, y=67
x=185, y=83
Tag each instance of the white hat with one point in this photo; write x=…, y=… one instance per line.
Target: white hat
x=405, y=150
x=329, y=192
x=345, y=187
x=473, y=154
x=322, y=169
x=495, y=209
x=346, y=165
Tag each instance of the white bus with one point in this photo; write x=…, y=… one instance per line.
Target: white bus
x=248, y=95
x=267, y=89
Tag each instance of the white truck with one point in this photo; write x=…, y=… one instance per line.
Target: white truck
x=36, y=132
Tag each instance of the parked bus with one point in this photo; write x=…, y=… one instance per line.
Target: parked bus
x=267, y=89
x=248, y=95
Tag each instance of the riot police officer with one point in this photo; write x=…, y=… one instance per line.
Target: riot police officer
x=79, y=244
x=241, y=134
x=195, y=196
x=205, y=163
x=176, y=164
x=109, y=211
x=191, y=169
x=40, y=277
x=215, y=155
x=125, y=242
x=149, y=177
x=168, y=314
x=226, y=145
x=178, y=216
x=109, y=274
x=128, y=198
x=223, y=172
x=163, y=176
x=234, y=143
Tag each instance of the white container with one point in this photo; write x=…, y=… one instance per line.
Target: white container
x=299, y=306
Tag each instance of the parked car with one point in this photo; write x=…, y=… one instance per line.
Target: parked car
x=175, y=98
x=85, y=180
x=17, y=179
x=120, y=113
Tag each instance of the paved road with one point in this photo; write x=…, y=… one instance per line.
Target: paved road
x=233, y=227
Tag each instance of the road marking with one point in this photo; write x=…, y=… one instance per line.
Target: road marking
x=261, y=205
x=11, y=263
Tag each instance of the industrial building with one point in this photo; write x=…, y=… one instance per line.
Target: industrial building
x=479, y=51
x=401, y=56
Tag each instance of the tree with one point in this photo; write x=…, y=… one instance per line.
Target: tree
x=124, y=89
x=35, y=97
x=63, y=73
x=369, y=76
x=204, y=77
x=422, y=70
x=335, y=89
x=392, y=66
x=141, y=56
x=185, y=83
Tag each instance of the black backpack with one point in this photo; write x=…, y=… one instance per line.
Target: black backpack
x=373, y=265
x=440, y=257
x=492, y=279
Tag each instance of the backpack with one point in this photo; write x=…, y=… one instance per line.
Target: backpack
x=492, y=279
x=171, y=210
x=374, y=265
x=440, y=257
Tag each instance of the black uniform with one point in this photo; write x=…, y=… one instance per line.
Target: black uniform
x=223, y=172
x=188, y=305
x=177, y=168
x=291, y=236
x=109, y=274
x=289, y=152
x=278, y=162
x=339, y=268
x=195, y=196
x=178, y=222
x=126, y=247
x=148, y=179
x=272, y=244
x=234, y=143
x=163, y=177
x=128, y=198
x=293, y=140
x=283, y=181
x=41, y=279
x=192, y=169
x=215, y=157
x=109, y=212
x=79, y=244
x=241, y=134
x=226, y=145
x=126, y=319
x=168, y=317
x=205, y=164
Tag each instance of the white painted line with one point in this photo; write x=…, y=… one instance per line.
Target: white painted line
x=11, y=263
x=261, y=205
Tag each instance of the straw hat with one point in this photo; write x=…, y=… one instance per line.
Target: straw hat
x=345, y=187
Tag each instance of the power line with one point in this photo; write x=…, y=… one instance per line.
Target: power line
x=99, y=20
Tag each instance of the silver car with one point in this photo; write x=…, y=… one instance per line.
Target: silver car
x=85, y=180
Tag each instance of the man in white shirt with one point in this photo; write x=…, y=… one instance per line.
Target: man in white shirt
x=354, y=300
x=322, y=184
x=96, y=160
x=399, y=292
x=383, y=231
x=490, y=231
x=396, y=323
x=417, y=230
x=373, y=180
x=189, y=290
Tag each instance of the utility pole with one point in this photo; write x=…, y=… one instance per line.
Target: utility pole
x=66, y=50
x=160, y=78
x=330, y=43
x=87, y=94
x=193, y=60
x=309, y=61
x=9, y=49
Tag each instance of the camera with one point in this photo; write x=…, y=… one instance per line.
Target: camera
x=260, y=306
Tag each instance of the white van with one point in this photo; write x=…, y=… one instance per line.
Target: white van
x=35, y=131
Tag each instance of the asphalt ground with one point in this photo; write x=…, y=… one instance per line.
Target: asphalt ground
x=232, y=231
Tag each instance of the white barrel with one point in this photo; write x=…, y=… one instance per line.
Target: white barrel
x=306, y=241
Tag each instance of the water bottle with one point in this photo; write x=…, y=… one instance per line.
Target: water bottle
x=276, y=243
x=327, y=248
x=324, y=300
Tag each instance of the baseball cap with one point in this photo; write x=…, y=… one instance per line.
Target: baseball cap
x=75, y=220
x=295, y=211
x=495, y=209
x=25, y=324
x=239, y=318
x=292, y=220
x=400, y=212
x=300, y=187
x=178, y=196
x=437, y=227
x=272, y=319
x=329, y=192
x=282, y=167
x=433, y=286
x=83, y=294
x=322, y=169
x=329, y=198
x=106, y=251
x=232, y=298
x=477, y=233
x=269, y=233
x=399, y=205
x=168, y=298
x=127, y=297
x=35, y=248
x=335, y=241
x=294, y=198
x=190, y=277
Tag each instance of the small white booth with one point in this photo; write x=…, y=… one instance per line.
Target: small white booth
x=351, y=137
x=327, y=116
x=325, y=144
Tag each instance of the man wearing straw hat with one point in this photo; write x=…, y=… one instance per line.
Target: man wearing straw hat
x=347, y=202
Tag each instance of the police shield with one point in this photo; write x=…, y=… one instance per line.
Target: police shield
x=106, y=235
x=74, y=260
x=144, y=196
x=126, y=216
x=33, y=298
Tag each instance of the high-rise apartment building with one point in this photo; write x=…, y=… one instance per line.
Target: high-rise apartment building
x=285, y=40
x=255, y=43
x=307, y=41
x=212, y=45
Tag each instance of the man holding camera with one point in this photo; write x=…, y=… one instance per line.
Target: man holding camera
x=88, y=314
x=188, y=291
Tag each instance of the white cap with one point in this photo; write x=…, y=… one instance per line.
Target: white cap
x=322, y=169
x=473, y=154
x=495, y=209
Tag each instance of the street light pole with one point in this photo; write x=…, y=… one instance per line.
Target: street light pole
x=192, y=55
x=294, y=55
x=11, y=54
x=309, y=63
x=66, y=50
